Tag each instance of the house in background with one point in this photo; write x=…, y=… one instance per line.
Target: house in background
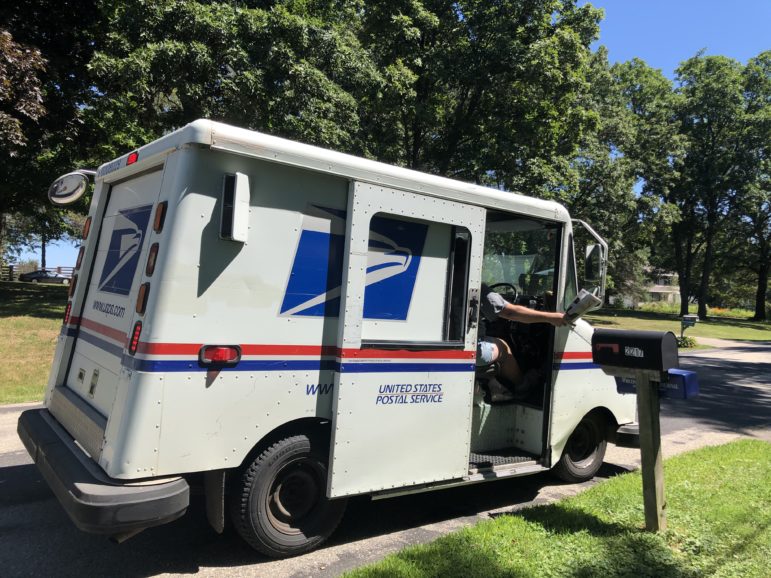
x=665, y=289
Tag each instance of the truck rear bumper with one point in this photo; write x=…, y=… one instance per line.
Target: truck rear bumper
x=95, y=502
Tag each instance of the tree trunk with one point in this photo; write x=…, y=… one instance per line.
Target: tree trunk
x=760, y=294
x=706, y=273
x=682, y=262
x=42, y=251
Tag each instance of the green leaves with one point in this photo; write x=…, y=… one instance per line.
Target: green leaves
x=20, y=91
x=277, y=70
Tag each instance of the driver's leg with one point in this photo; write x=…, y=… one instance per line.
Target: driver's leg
x=510, y=370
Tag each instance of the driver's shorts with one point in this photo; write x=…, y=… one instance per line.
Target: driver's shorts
x=485, y=353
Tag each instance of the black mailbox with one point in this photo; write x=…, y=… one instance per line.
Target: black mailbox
x=635, y=350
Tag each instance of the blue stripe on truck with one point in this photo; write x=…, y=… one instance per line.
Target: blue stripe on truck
x=175, y=365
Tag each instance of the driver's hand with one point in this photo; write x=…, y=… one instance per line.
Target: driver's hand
x=559, y=320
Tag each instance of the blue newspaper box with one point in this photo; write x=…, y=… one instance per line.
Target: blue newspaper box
x=681, y=384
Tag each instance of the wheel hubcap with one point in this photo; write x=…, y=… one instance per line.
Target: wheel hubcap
x=582, y=443
x=293, y=497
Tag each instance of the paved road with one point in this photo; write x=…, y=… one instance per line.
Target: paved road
x=36, y=537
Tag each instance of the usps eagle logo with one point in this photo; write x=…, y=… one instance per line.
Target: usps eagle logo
x=122, y=258
x=315, y=282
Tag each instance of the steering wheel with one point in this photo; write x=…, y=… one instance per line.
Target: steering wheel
x=513, y=288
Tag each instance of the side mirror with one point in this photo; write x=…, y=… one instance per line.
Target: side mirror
x=68, y=188
x=593, y=264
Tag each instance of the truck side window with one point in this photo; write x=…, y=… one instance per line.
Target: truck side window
x=457, y=285
x=416, y=281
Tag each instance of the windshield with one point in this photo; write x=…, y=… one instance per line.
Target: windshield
x=522, y=254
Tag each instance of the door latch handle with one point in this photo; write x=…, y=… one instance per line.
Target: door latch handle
x=473, y=312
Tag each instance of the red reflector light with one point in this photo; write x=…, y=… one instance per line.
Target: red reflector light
x=73, y=284
x=222, y=355
x=135, y=333
x=152, y=256
x=160, y=216
x=80, y=257
x=144, y=291
x=132, y=158
x=67, y=313
x=86, y=228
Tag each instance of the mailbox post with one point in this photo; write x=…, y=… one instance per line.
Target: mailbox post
x=650, y=359
x=686, y=322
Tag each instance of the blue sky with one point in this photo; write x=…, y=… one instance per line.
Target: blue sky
x=661, y=32
x=665, y=32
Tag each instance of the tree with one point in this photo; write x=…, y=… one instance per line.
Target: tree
x=479, y=91
x=712, y=119
x=20, y=105
x=656, y=150
x=754, y=206
x=289, y=69
x=64, y=35
x=602, y=191
x=20, y=94
x=39, y=230
x=487, y=92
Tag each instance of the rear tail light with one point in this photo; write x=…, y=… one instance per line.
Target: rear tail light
x=219, y=355
x=80, y=257
x=73, y=284
x=152, y=256
x=86, y=228
x=132, y=158
x=135, y=334
x=67, y=313
x=160, y=216
x=144, y=291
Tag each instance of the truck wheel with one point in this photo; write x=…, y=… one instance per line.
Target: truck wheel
x=280, y=506
x=584, y=452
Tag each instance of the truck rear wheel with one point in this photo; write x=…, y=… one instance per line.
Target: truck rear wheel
x=584, y=452
x=280, y=506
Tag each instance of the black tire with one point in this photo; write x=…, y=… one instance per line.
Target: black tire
x=279, y=506
x=584, y=452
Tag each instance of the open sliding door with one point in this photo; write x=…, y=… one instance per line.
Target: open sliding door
x=407, y=341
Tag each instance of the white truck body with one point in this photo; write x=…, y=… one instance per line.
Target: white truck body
x=341, y=288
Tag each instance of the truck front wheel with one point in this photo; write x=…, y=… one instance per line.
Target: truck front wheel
x=584, y=452
x=279, y=505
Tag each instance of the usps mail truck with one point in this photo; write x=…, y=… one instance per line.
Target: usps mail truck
x=285, y=326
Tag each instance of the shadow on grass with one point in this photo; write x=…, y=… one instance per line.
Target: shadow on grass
x=25, y=299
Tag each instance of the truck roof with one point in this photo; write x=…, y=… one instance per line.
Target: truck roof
x=227, y=138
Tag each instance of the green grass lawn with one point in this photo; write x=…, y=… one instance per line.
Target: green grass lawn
x=30, y=320
x=719, y=524
x=719, y=327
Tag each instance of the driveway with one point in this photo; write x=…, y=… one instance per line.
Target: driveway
x=37, y=538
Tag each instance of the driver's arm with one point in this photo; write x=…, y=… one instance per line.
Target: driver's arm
x=527, y=315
